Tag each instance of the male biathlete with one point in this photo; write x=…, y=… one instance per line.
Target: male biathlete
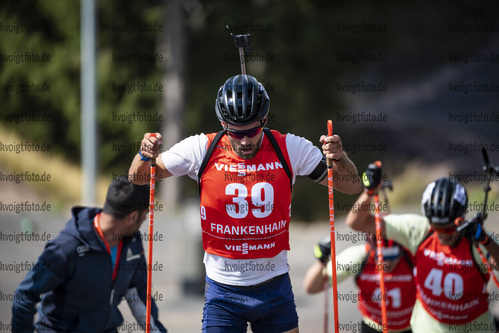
x=451, y=280
x=245, y=175
x=360, y=262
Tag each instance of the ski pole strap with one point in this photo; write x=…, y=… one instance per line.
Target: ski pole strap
x=142, y=158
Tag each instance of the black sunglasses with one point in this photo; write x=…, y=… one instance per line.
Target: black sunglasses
x=250, y=133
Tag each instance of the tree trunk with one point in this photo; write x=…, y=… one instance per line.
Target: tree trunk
x=173, y=49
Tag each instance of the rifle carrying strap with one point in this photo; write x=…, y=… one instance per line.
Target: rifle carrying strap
x=273, y=141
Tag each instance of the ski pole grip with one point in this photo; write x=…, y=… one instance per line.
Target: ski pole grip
x=378, y=165
x=153, y=160
x=329, y=133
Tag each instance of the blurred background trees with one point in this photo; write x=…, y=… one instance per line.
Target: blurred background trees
x=302, y=51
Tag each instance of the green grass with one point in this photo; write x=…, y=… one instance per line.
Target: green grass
x=408, y=188
x=65, y=184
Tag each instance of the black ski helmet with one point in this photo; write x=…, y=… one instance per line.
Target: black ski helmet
x=444, y=201
x=242, y=100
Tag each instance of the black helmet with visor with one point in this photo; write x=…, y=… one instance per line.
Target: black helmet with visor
x=242, y=100
x=444, y=200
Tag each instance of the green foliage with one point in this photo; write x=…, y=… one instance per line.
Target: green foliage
x=58, y=36
x=294, y=54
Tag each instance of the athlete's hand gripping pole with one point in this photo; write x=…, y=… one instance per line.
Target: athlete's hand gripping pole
x=491, y=170
x=473, y=229
x=372, y=180
x=152, y=186
x=487, y=264
x=332, y=231
x=322, y=252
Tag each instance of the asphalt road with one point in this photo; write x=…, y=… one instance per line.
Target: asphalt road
x=175, y=254
x=179, y=311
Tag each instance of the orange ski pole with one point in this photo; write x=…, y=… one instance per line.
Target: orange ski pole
x=486, y=263
x=152, y=185
x=326, y=301
x=459, y=222
x=332, y=233
x=379, y=248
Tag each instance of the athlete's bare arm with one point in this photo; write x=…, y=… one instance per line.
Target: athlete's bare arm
x=313, y=282
x=362, y=219
x=493, y=249
x=345, y=176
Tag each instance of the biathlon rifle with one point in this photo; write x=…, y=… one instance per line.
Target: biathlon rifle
x=242, y=44
x=491, y=170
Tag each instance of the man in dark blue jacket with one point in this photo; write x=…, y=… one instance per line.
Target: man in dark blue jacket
x=84, y=273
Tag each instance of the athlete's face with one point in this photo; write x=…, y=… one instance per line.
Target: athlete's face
x=245, y=140
x=446, y=233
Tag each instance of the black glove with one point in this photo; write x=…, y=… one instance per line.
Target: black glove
x=322, y=251
x=372, y=177
x=473, y=229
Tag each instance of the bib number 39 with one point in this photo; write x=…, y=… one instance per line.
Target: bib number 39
x=261, y=197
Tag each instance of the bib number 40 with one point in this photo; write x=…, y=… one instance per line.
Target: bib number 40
x=451, y=284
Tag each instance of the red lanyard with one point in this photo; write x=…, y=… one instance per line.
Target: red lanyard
x=108, y=248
